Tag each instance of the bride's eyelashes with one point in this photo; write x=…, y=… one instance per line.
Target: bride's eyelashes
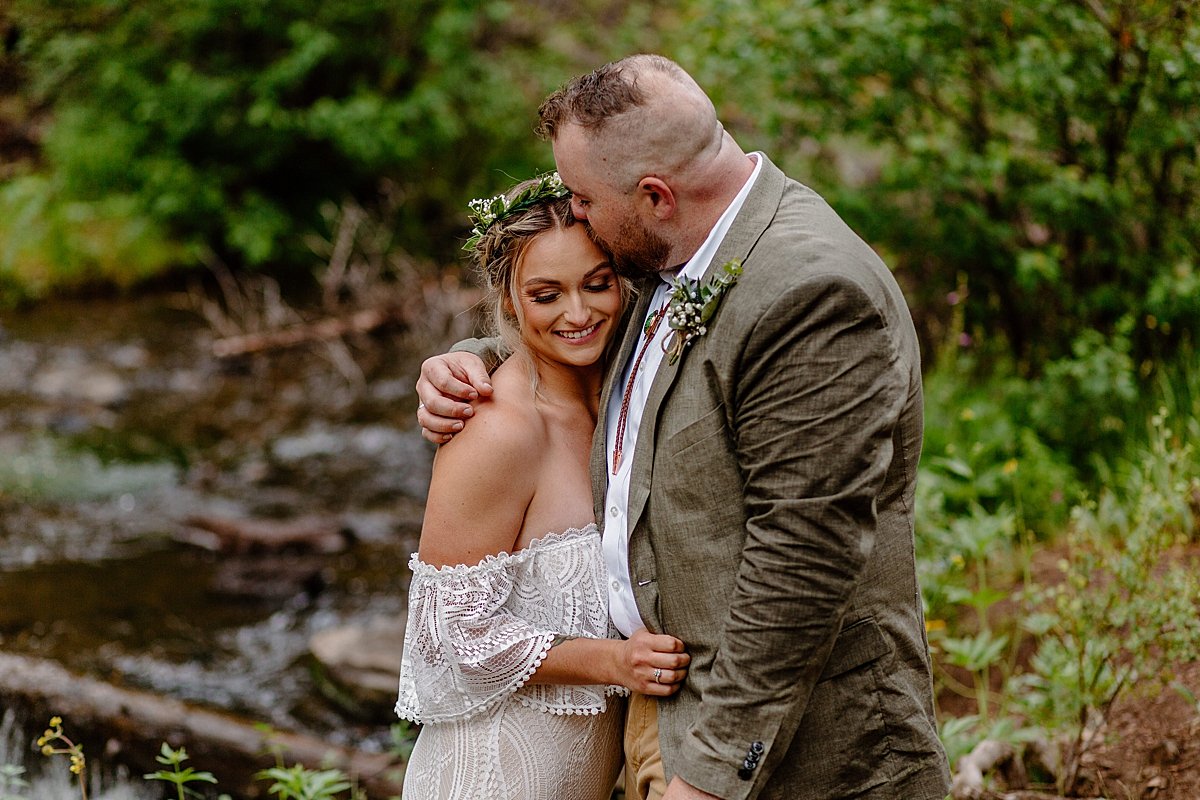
x=550, y=297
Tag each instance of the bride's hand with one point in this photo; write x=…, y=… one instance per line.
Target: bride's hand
x=653, y=663
x=447, y=385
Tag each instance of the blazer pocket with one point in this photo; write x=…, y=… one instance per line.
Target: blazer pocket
x=707, y=426
x=858, y=644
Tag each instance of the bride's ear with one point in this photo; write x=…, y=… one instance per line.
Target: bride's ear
x=656, y=198
x=509, y=307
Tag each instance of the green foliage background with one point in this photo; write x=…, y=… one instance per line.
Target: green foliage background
x=1035, y=161
x=181, y=131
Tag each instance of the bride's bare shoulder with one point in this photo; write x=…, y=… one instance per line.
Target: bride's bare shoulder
x=483, y=481
x=506, y=428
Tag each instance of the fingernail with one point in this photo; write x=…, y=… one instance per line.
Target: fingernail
x=469, y=412
x=458, y=426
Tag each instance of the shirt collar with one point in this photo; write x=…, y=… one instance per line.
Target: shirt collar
x=696, y=266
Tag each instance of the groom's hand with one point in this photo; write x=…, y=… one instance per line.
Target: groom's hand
x=679, y=789
x=447, y=385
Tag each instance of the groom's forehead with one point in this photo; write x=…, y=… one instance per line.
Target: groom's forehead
x=583, y=163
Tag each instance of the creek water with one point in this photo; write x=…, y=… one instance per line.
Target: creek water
x=117, y=427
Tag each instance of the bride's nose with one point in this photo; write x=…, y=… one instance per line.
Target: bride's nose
x=577, y=311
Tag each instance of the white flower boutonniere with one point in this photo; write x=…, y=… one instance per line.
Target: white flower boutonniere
x=691, y=306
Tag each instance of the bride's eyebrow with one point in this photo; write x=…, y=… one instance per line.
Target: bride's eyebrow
x=536, y=281
x=541, y=282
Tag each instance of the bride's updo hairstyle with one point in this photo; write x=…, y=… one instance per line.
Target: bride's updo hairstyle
x=500, y=249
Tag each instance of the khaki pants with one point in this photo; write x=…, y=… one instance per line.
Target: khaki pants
x=644, y=778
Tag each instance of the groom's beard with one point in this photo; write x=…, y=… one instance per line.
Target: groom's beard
x=637, y=251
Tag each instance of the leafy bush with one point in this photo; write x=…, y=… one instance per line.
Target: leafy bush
x=1125, y=611
x=1048, y=153
x=229, y=124
x=49, y=240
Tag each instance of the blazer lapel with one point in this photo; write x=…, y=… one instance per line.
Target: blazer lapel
x=755, y=215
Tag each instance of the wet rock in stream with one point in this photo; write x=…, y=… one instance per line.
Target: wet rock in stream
x=362, y=661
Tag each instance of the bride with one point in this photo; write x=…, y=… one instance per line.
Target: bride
x=510, y=662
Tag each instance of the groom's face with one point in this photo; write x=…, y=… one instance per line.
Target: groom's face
x=609, y=212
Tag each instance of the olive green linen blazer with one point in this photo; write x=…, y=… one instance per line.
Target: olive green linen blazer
x=771, y=519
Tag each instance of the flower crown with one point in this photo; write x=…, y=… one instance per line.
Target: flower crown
x=487, y=212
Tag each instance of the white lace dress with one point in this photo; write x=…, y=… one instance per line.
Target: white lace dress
x=475, y=636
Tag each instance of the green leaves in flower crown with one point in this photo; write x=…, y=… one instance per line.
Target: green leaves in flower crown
x=488, y=211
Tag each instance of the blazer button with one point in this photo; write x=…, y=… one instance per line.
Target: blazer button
x=746, y=773
x=757, y=748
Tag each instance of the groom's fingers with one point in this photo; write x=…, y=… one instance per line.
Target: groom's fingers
x=447, y=385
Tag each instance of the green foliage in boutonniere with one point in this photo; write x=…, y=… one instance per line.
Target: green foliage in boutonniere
x=691, y=306
x=486, y=212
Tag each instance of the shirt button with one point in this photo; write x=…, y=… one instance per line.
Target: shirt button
x=616, y=586
x=612, y=512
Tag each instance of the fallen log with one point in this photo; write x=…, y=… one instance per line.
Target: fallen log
x=363, y=321
x=243, y=536
x=129, y=726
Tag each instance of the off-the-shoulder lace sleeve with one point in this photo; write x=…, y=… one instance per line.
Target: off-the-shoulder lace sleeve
x=476, y=634
x=462, y=650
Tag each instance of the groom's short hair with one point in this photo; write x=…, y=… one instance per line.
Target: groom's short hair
x=592, y=99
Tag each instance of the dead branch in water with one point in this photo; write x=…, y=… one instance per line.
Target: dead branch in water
x=321, y=330
x=367, y=284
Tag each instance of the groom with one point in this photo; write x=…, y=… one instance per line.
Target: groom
x=756, y=484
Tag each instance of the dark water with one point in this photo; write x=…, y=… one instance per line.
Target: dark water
x=117, y=426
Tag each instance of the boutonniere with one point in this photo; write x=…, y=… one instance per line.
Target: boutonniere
x=690, y=306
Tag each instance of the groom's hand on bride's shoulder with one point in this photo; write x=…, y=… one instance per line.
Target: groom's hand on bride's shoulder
x=448, y=384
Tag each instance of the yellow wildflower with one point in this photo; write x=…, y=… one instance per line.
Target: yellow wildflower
x=1010, y=466
x=55, y=722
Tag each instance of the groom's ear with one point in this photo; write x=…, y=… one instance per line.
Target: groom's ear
x=656, y=197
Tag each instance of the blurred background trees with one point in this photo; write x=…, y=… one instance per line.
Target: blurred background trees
x=1029, y=169
x=1034, y=162
x=166, y=134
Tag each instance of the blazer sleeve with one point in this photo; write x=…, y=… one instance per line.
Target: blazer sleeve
x=819, y=389
x=490, y=349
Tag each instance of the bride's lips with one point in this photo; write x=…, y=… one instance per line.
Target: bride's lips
x=574, y=337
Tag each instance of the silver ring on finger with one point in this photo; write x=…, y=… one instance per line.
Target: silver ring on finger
x=657, y=674
x=420, y=406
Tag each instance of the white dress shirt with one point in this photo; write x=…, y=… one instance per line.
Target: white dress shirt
x=621, y=605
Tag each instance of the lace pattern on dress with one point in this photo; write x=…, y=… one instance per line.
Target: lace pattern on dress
x=476, y=634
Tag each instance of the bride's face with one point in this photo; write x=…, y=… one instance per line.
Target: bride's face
x=568, y=300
